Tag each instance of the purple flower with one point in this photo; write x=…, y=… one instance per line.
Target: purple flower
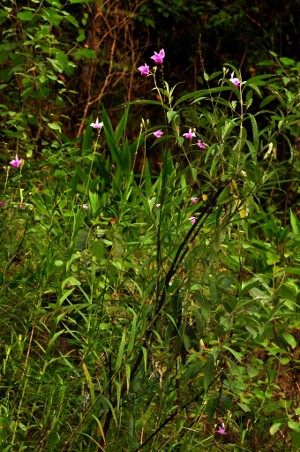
x=189, y=135
x=144, y=70
x=222, y=430
x=16, y=163
x=194, y=199
x=158, y=57
x=158, y=133
x=234, y=80
x=97, y=124
x=193, y=220
x=201, y=144
x=3, y=203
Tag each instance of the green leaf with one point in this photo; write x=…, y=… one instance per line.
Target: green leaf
x=244, y=407
x=267, y=100
x=82, y=37
x=209, y=369
x=128, y=374
x=186, y=341
x=114, y=149
x=65, y=296
x=54, y=337
x=236, y=354
x=131, y=342
x=54, y=126
x=54, y=3
x=203, y=92
x=149, y=102
x=71, y=281
x=94, y=202
x=118, y=392
x=254, y=132
x=171, y=114
x=194, y=369
x=252, y=149
x=274, y=428
x=89, y=382
x=147, y=180
x=72, y=20
x=120, y=352
x=51, y=15
x=145, y=358
x=294, y=425
x=272, y=258
x=87, y=138
x=294, y=223
x=25, y=15
x=290, y=340
x=85, y=53
x=273, y=53
x=259, y=80
x=121, y=126
x=287, y=61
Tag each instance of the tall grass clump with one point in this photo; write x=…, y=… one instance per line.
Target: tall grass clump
x=154, y=305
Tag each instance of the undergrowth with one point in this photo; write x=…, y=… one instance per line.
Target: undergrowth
x=153, y=307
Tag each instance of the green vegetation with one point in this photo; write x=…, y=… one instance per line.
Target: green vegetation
x=149, y=282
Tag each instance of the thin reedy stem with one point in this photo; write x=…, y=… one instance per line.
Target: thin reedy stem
x=181, y=252
x=177, y=411
x=85, y=196
x=25, y=377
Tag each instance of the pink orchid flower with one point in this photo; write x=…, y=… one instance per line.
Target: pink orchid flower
x=144, y=70
x=201, y=144
x=158, y=133
x=234, y=80
x=193, y=220
x=158, y=57
x=189, y=135
x=16, y=162
x=97, y=124
x=222, y=430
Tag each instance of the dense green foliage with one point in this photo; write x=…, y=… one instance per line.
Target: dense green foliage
x=149, y=287
x=61, y=61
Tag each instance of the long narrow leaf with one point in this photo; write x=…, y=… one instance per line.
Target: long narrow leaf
x=132, y=334
x=121, y=126
x=202, y=92
x=89, y=382
x=121, y=352
x=87, y=139
x=107, y=122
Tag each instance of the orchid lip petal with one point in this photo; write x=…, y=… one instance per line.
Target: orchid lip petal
x=16, y=162
x=158, y=57
x=144, y=70
x=158, y=133
x=97, y=124
x=189, y=135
